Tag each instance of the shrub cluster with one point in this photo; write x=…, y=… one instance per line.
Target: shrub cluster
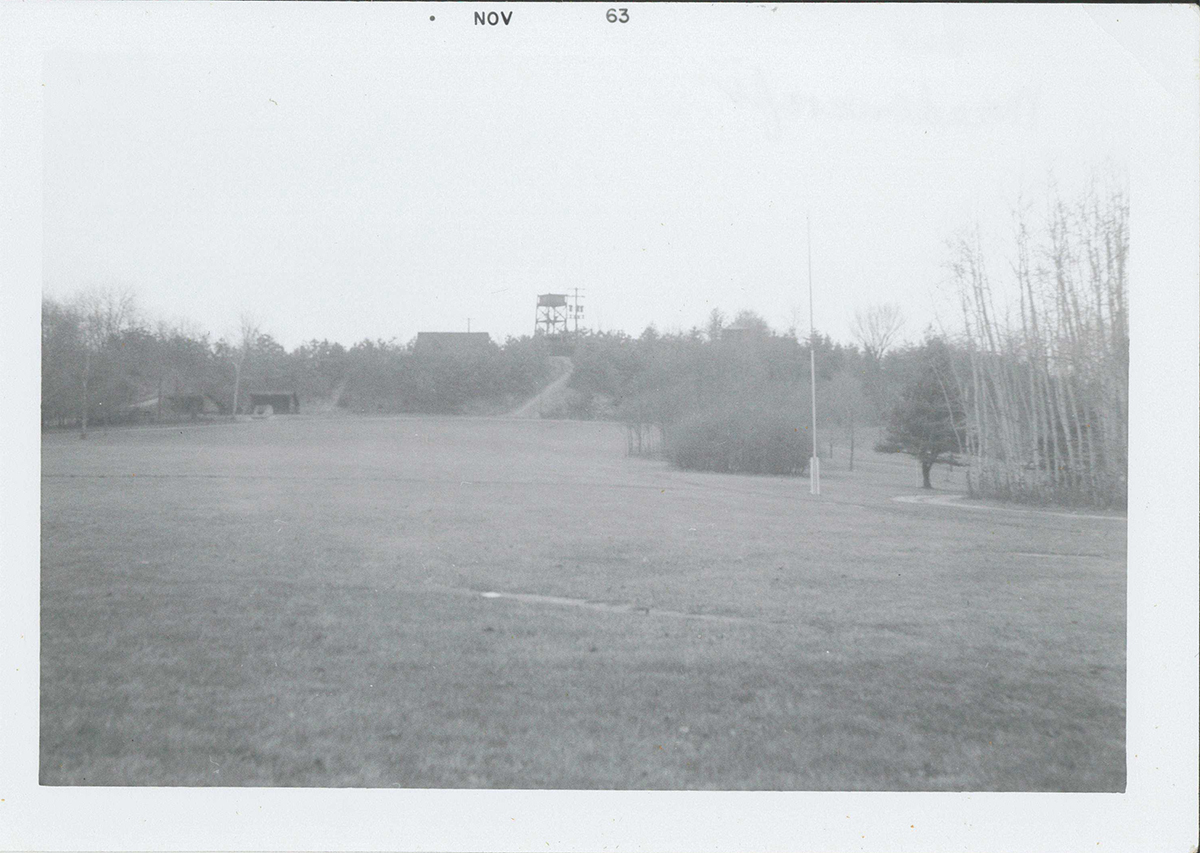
x=761, y=439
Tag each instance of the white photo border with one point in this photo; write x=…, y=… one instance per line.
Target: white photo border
x=1158, y=810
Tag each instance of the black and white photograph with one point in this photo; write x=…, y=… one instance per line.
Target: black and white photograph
x=526, y=404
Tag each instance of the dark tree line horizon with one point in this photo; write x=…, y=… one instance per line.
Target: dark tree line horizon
x=101, y=359
x=98, y=348
x=104, y=363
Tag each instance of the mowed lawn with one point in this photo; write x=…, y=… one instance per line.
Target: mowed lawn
x=299, y=601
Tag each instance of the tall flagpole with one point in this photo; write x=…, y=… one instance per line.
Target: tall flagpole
x=814, y=464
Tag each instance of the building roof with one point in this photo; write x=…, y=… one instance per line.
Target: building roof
x=453, y=341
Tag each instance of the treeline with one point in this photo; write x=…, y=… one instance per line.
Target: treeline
x=730, y=397
x=102, y=362
x=380, y=376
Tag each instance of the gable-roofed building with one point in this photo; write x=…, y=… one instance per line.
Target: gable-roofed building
x=452, y=343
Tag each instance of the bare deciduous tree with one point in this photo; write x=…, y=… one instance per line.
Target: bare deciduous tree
x=877, y=328
x=103, y=314
x=846, y=407
x=249, y=329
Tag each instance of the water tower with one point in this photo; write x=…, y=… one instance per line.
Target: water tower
x=551, y=315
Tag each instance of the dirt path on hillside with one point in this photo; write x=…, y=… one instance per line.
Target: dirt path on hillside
x=330, y=403
x=548, y=397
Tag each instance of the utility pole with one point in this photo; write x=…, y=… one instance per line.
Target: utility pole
x=576, y=311
x=814, y=464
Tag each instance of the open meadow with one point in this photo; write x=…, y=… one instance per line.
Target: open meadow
x=491, y=603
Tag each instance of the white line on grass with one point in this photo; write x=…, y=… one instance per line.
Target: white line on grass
x=602, y=606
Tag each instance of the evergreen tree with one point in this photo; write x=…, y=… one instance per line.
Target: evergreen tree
x=927, y=419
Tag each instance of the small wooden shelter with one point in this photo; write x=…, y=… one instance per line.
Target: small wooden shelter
x=281, y=402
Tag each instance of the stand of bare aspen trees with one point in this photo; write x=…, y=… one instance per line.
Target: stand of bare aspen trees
x=1046, y=374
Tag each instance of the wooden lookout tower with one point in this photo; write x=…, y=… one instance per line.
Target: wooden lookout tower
x=551, y=317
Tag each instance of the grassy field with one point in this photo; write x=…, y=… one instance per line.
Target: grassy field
x=299, y=601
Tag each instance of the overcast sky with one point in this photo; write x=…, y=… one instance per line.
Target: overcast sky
x=361, y=171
